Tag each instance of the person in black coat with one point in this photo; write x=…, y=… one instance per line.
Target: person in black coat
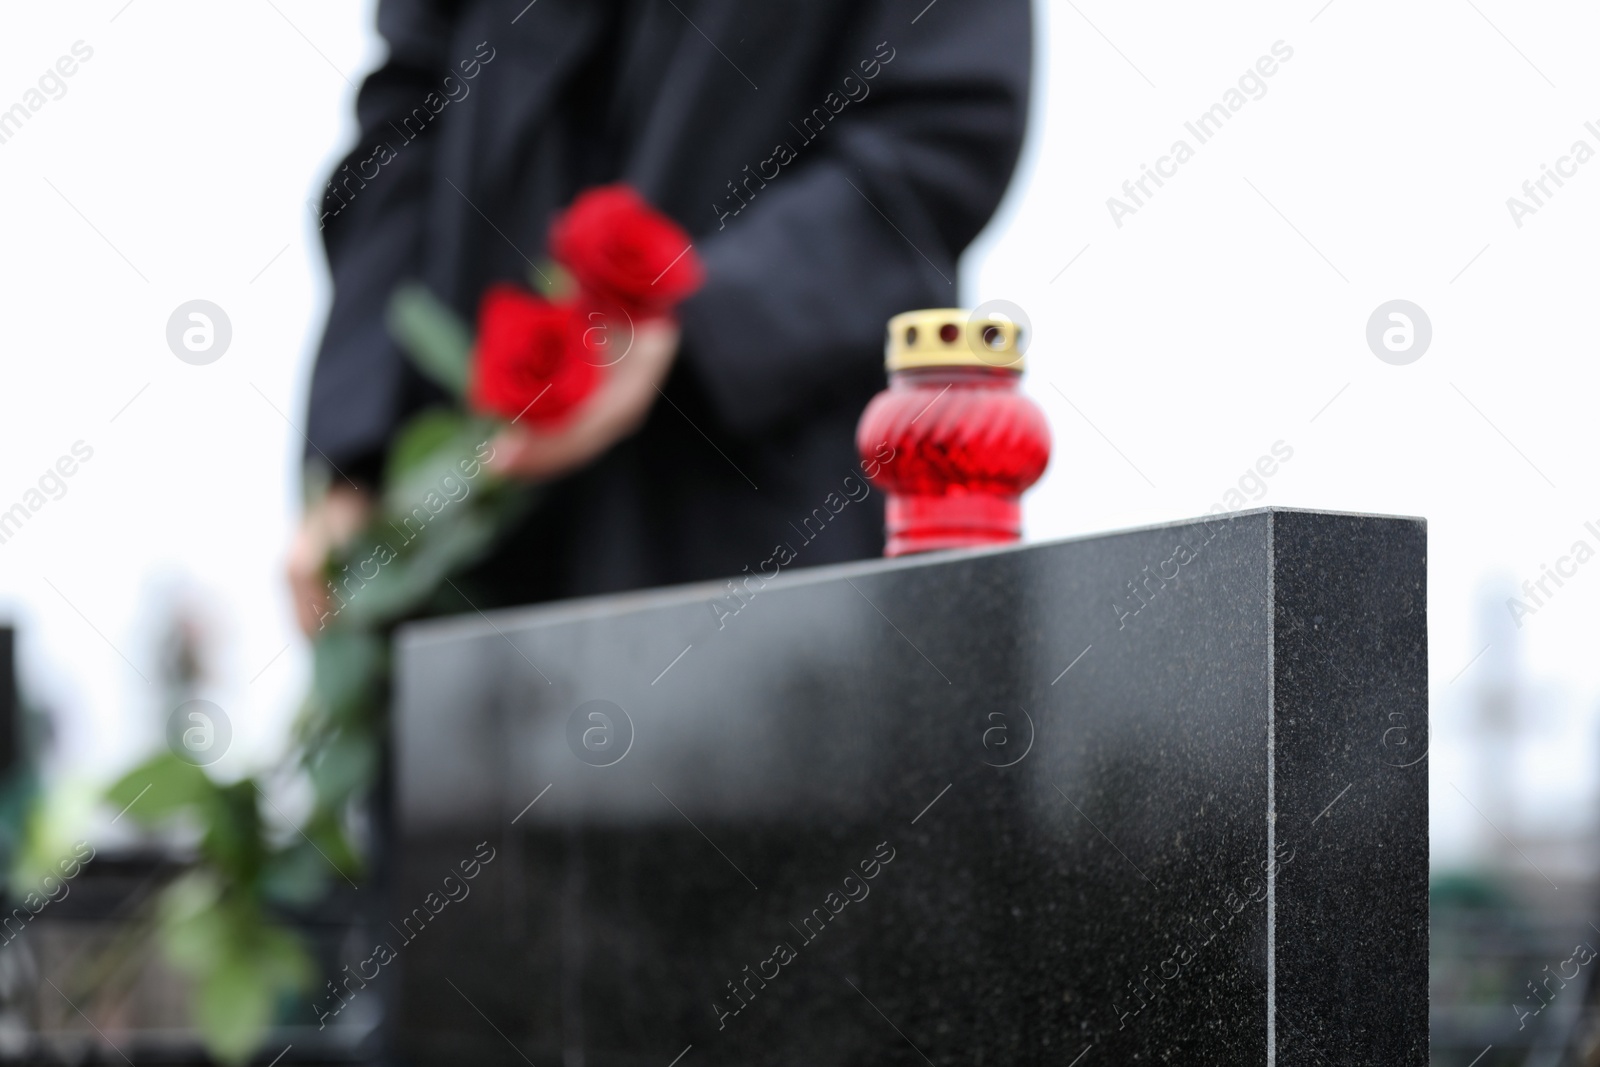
x=831, y=160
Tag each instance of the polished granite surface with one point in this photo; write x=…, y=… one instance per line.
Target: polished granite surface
x=1151, y=796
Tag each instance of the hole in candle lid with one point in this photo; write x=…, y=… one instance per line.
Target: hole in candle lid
x=949, y=332
x=994, y=337
x=911, y=335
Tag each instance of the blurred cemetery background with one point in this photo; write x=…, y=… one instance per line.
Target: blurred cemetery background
x=1173, y=348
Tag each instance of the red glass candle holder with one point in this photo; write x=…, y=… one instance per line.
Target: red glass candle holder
x=952, y=441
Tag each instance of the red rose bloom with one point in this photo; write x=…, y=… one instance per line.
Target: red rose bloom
x=526, y=363
x=622, y=250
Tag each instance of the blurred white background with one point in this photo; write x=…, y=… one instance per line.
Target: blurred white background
x=1227, y=314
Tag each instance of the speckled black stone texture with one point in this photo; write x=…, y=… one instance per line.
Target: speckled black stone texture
x=1154, y=796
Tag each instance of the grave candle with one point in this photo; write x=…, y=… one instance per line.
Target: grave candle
x=952, y=440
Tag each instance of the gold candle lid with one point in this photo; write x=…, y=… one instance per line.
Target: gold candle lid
x=952, y=337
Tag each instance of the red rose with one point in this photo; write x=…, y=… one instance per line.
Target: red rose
x=622, y=250
x=527, y=365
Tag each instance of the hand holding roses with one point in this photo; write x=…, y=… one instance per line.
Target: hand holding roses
x=615, y=410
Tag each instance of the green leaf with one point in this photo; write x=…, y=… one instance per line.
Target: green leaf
x=328, y=838
x=435, y=338
x=452, y=540
x=440, y=512
x=346, y=764
x=296, y=876
x=192, y=928
x=280, y=956
x=239, y=963
x=160, y=787
x=233, y=1009
x=233, y=841
x=434, y=463
x=552, y=281
x=422, y=438
x=347, y=665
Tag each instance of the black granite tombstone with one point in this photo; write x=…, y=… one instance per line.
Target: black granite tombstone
x=1154, y=796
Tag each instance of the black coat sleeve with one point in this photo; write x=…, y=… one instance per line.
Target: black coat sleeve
x=373, y=219
x=870, y=218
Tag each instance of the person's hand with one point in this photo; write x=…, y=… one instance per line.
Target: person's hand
x=327, y=525
x=617, y=409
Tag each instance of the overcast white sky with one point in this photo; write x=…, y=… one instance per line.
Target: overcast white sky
x=1226, y=314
